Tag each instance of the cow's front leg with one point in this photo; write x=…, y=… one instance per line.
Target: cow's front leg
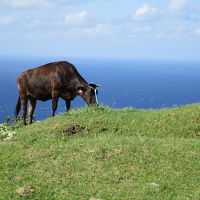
x=55, y=97
x=68, y=104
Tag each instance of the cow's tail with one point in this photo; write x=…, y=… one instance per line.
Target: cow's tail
x=17, y=107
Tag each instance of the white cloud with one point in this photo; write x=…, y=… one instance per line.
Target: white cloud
x=36, y=3
x=145, y=12
x=82, y=24
x=180, y=30
x=78, y=18
x=98, y=29
x=27, y=3
x=142, y=30
x=6, y=20
x=177, y=5
x=35, y=23
x=198, y=31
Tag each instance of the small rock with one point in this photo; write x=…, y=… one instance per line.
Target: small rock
x=24, y=191
x=92, y=198
x=155, y=186
x=16, y=178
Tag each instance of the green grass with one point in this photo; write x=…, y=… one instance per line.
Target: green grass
x=120, y=154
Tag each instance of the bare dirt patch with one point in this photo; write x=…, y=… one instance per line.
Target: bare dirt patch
x=74, y=129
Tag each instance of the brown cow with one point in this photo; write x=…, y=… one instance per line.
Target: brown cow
x=51, y=81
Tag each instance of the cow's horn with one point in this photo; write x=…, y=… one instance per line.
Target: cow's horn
x=94, y=85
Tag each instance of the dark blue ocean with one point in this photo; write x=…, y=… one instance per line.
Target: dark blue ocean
x=140, y=84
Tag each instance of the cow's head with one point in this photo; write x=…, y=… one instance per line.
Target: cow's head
x=89, y=93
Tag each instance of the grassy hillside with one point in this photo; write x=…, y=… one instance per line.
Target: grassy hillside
x=103, y=153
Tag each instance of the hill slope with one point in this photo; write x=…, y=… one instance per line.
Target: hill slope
x=104, y=153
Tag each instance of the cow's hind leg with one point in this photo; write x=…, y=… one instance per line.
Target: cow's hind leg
x=55, y=97
x=24, y=101
x=68, y=104
x=17, y=108
x=32, y=104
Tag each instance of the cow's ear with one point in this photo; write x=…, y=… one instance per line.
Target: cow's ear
x=81, y=90
x=94, y=85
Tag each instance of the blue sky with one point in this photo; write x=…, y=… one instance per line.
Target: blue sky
x=151, y=29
